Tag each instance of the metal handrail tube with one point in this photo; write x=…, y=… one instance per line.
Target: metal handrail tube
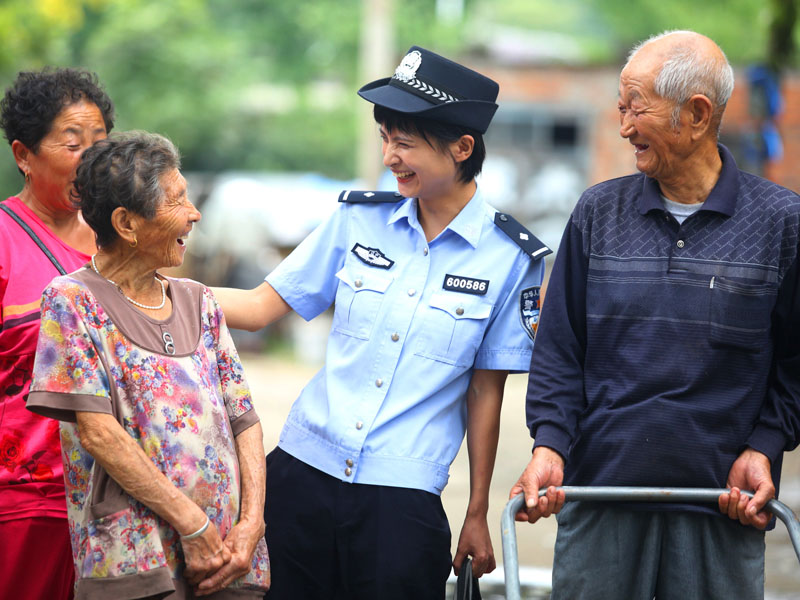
x=623, y=494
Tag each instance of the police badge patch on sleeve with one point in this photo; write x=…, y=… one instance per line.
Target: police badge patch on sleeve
x=529, y=307
x=372, y=257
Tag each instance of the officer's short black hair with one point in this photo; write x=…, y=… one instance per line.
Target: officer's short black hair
x=439, y=135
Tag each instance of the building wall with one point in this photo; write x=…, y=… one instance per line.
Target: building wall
x=786, y=171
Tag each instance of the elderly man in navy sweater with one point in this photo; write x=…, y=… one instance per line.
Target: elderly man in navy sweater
x=668, y=352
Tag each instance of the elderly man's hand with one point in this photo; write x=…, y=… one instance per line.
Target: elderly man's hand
x=545, y=469
x=241, y=541
x=751, y=471
x=204, y=555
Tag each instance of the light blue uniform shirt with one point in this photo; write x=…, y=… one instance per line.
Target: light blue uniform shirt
x=389, y=406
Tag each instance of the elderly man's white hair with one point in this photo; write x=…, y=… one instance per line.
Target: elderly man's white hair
x=685, y=73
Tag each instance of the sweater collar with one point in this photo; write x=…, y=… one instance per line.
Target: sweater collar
x=722, y=198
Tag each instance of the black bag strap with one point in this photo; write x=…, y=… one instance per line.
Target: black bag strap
x=467, y=587
x=34, y=237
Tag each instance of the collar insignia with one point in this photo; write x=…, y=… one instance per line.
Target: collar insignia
x=372, y=257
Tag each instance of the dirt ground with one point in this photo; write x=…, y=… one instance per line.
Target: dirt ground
x=276, y=382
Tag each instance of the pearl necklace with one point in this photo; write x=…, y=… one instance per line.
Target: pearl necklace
x=128, y=298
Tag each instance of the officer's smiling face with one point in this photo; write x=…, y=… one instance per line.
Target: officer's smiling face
x=422, y=170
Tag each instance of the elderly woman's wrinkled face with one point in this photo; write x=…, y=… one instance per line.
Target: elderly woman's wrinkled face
x=162, y=239
x=52, y=168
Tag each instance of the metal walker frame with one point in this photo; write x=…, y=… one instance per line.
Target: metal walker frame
x=623, y=494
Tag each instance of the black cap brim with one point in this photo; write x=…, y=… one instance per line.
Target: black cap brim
x=474, y=114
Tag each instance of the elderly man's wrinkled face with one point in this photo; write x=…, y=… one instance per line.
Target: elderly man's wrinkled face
x=163, y=238
x=646, y=121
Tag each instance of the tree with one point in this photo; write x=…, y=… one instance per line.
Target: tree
x=782, y=44
x=270, y=85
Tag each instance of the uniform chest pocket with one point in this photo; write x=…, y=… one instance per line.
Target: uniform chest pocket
x=741, y=314
x=453, y=328
x=358, y=300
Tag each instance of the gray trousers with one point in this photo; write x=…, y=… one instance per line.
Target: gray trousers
x=604, y=552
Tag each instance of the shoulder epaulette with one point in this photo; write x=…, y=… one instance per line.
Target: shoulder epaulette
x=358, y=197
x=529, y=243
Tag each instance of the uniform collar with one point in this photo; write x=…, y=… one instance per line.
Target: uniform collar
x=467, y=224
x=722, y=198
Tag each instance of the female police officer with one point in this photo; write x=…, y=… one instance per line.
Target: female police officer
x=436, y=298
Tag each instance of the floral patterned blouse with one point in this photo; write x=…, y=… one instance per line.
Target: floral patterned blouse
x=177, y=387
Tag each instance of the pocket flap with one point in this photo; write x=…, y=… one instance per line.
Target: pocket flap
x=367, y=279
x=462, y=307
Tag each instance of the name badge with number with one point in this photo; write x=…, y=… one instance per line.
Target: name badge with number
x=465, y=285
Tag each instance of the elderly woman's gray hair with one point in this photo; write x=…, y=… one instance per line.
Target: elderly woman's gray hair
x=125, y=170
x=685, y=72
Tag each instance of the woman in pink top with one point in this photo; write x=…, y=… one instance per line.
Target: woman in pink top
x=49, y=118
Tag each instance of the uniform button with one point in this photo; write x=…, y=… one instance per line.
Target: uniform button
x=425, y=251
x=349, y=462
x=681, y=244
x=348, y=471
x=460, y=311
x=503, y=218
x=378, y=382
x=395, y=337
x=412, y=291
x=359, y=425
x=358, y=283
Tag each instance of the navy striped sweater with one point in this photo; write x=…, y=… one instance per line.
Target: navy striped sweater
x=664, y=349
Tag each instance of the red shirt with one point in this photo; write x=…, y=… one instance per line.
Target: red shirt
x=31, y=473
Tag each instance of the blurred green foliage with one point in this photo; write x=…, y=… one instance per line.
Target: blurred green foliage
x=270, y=84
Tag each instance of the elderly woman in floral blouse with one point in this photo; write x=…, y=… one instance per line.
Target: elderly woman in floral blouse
x=162, y=449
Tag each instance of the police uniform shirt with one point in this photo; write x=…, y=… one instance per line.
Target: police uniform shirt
x=411, y=321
